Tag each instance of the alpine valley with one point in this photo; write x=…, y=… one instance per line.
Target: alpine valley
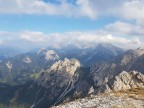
x=102, y=76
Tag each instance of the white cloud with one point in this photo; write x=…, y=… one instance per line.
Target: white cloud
x=1, y=42
x=33, y=36
x=30, y=39
x=127, y=9
x=119, y=27
x=82, y=8
x=125, y=28
x=133, y=9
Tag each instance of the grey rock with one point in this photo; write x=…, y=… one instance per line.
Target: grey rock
x=124, y=81
x=27, y=60
x=104, y=101
x=59, y=79
x=51, y=55
x=131, y=60
x=9, y=65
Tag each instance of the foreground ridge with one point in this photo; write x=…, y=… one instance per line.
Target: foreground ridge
x=122, y=99
x=126, y=90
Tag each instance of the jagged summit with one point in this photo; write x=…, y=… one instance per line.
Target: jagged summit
x=131, y=60
x=69, y=65
x=109, y=48
x=104, y=52
x=124, y=81
x=130, y=56
x=136, y=52
x=48, y=54
x=51, y=55
x=59, y=79
x=106, y=45
x=61, y=71
x=27, y=60
x=42, y=51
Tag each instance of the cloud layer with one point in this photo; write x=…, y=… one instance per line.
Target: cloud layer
x=127, y=9
x=39, y=7
x=125, y=28
x=32, y=39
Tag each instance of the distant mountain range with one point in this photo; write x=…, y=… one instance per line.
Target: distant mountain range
x=51, y=76
x=24, y=67
x=7, y=51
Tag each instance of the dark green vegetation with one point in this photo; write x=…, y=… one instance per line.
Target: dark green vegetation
x=21, y=96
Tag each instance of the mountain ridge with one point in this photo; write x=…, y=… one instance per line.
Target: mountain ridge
x=60, y=78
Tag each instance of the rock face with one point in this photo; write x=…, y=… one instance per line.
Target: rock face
x=124, y=81
x=27, y=60
x=59, y=79
x=48, y=54
x=128, y=80
x=9, y=65
x=51, y=55
x=125, y=90
x=59, y=74
x=131, y=60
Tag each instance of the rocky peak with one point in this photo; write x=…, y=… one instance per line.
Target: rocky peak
x=136, y=52
x=124, y=81
x=70, y=65
x=103, y=52
x=51, y=55
x=60, y=73
x=59, y=79
x=109, y=48
x=103, y=73
x=128, y=80
x=105, y=45
x=48, y=54
x=140, y=51
x=131, y=56
x=9, y=65
x=27, y=60
x=42, y=51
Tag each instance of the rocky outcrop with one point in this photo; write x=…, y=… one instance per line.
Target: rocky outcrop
x=130, y=57
x=9, y=65
x=131, y=60
x=48, y=54
x=59, y=79
x=51, y=55
x=125, y=99
x=59, y=74
x=125, y=90
x=124, y=81
x=27, y=60
x=128, y=80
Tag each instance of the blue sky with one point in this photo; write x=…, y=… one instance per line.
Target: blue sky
x=41, y=23
x=50, y=24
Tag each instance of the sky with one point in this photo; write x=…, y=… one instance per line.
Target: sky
x=28, y=24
